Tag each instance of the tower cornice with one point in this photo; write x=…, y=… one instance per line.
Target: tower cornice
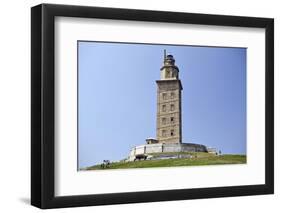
x=170, y=81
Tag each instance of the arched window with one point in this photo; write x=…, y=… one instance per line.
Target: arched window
x=168, y=73
x=163, y=133
x=164, y=96
x=164, y=121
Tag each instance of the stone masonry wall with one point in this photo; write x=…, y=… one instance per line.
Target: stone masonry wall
x=159, y=148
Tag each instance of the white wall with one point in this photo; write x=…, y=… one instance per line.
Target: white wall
x=15, y=105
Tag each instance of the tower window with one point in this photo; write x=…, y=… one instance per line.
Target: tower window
x=163, y=120
x=172, y=119
x=163, y=133
x=163, y=108
x=164, y=96
x=172, y=95
x=172, y=107
x=168, y=74
x=172, y=132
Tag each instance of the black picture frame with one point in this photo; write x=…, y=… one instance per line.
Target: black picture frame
x=43, y=101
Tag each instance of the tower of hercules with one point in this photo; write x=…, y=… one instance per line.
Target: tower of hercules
x=169, y=124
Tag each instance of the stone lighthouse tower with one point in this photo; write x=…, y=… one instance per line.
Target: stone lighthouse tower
x=169, y=124
x=169, y=121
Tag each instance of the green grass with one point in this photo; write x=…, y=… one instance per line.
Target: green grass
x=198, y=154
x=202, y=159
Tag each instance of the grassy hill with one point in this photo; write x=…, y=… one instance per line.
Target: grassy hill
x=200, y=160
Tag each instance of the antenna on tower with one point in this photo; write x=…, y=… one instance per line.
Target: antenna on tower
x=164, y=53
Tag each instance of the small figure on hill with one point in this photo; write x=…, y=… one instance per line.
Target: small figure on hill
x=105, y=164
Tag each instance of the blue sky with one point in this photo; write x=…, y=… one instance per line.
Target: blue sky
x=117, y=97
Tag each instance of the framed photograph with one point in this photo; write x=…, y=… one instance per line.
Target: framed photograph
x=140, y=106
